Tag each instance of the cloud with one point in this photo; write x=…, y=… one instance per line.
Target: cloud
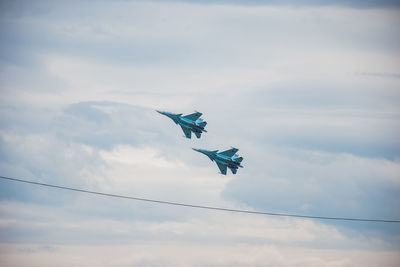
x=308, y=3
x=134, y=166
x=380, y=74
x=194, y=253
x=88, y=112
x=318, y=183
x=77, y=224
x=79, y=84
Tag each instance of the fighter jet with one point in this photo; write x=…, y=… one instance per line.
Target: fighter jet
x=189, y=123
x=226, y=159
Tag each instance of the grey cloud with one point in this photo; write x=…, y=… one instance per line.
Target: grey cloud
x=43, y=157
x=49, y=145
x=24, y=45
x=106, y=124
x=86, y=122
x=25, y=41
x=380, y=74
x=221, y=40
x=27, y=5
x=307, y=3
x=327, y=118
x=316, y=183
x=123, y=124
x=88, y=112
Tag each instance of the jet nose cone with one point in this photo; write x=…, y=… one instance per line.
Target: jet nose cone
x=164, y=113
x=200, y=150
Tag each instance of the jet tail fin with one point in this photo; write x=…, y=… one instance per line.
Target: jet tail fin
x=203, y=124
x=239, y=159
x=198, y=135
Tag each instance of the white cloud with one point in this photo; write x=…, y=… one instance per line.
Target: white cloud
x=186, y=254
x=137, y=158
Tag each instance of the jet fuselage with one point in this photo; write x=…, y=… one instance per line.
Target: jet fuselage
x=189, y=123
x=231, y=162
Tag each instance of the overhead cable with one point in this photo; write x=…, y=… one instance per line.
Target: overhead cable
x=201, y=206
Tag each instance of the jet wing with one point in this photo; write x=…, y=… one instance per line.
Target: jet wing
x=233, y=170
x=230, y=152
x=222, y=168
x=187, y=132
x=193, y=116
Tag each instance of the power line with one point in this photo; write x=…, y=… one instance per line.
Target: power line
x=200, y=206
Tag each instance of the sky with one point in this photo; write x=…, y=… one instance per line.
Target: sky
x=308, y=92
